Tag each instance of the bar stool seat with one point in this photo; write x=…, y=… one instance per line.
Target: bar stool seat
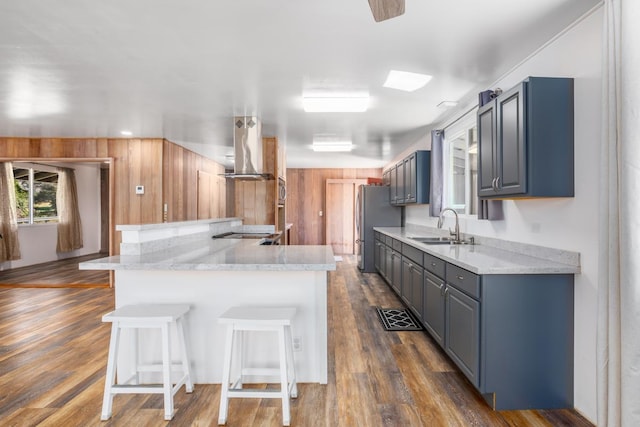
x=243, y=319
x=136, y=317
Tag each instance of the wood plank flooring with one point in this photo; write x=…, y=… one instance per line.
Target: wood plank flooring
x=61, y=273
x=53, y=352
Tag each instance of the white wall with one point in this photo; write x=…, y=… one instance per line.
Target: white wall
x=38, y=242
x=568, y=223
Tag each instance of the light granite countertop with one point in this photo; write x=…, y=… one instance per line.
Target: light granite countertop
x=487, y=259
x=223, y=255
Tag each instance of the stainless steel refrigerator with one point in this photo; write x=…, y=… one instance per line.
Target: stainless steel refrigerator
x=372, y=210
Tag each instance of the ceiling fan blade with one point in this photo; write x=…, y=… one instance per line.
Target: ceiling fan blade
x=386, y=9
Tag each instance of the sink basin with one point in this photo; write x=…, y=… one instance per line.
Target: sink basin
x=441, y=241
x=433, y=240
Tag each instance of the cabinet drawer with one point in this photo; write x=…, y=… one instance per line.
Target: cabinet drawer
x=377, y=235
x=388, y=240
x=412, y=253
x=397, y=245
x=464, y=280
x=434, y=265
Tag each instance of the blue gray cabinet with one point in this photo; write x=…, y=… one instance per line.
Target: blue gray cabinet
x=525, y=141
x=433, y=306
x=411, y=184
x=396, y=271
x=412, y=279
x=511, y=335
x=462, y=332
x=378, y=255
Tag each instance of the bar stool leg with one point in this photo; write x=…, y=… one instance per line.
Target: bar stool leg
x=166, y=372
x=284, y=386
x=133, y=340
x=107, y=400
x=186, y=366
x=226, y=371
x=291, y=362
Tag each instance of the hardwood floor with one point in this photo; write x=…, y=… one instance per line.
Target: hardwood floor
x=53, y=354
x=61, y=273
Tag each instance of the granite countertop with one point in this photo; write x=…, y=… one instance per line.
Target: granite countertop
x=485, y=259
x=223, y=255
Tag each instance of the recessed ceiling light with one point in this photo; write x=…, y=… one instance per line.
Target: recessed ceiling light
x=448, y=104
x=335, y=103
x=406, y=81
x=332, y=146
x=326, y=143
x=126, y=132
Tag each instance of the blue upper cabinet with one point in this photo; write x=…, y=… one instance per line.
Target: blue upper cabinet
x=525, y=141
x=410, y=179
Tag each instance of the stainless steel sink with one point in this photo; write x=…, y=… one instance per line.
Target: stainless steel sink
x=442, y=241
x=433, y=240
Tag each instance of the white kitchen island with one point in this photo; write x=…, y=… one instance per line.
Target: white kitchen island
x=181, y=263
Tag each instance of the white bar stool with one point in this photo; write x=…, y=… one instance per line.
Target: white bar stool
x=144, y=317
x=241, y=319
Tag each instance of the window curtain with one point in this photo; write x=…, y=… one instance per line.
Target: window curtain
x=437, y=172
x=9, y=243
x=69, y=224
x=618, y=318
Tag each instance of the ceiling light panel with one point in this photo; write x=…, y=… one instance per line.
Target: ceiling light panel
x=335, y=103
x=406, y=81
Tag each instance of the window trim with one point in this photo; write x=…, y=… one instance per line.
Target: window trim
x=460, y=128
x=32, y=219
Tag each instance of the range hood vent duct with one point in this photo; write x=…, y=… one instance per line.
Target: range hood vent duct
x=247, y=145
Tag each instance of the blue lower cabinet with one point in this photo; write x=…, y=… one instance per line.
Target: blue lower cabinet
x=511, y=335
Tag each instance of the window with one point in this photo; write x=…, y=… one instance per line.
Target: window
x=35, y=195
x=460, y=151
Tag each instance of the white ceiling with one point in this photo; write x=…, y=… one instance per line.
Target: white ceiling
x=182, y=69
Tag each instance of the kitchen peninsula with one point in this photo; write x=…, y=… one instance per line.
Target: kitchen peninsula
x=180, y=263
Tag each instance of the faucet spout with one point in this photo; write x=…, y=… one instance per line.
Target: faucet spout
x=456, y=234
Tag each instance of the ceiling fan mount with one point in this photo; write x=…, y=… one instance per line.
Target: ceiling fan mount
x=386, y=9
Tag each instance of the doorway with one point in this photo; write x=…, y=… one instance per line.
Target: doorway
x=340, y=211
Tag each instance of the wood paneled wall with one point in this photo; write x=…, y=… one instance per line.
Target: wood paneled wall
x=306, y=198
x=181, y=187
x=151, y=162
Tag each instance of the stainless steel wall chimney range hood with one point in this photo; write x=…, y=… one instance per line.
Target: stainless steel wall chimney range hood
x=247, y=145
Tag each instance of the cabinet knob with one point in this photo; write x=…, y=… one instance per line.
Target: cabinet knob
x=433, y=264
x=460, y=277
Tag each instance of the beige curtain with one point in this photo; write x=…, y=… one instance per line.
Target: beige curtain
x=9, y=243
x=69, y=225
x=618, y=347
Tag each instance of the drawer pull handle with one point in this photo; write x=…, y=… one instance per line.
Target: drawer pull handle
x=460, y=278
x=433, y=264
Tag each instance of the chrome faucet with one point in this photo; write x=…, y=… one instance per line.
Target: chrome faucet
x=455, y=234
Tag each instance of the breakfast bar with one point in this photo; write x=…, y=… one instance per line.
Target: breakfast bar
x=181, y=263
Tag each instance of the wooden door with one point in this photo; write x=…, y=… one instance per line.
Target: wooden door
x=340, y=213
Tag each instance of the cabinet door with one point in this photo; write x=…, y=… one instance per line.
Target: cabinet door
x=417, y=286
x=388, y=263
x=510, y=132
x=377, y=255
x=386, y=178
x=462, y=339
x=487, y=149
x=400, y=183
x=407, y=285
x=433, y=306
x=396, y=271
x=410, y=179
x=393, y=185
